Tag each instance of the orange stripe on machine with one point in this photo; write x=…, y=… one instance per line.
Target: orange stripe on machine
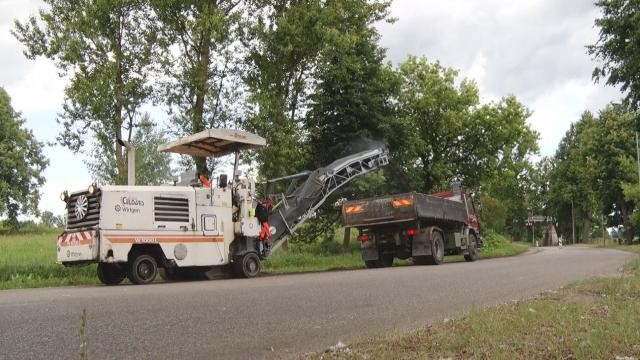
x=157, y=239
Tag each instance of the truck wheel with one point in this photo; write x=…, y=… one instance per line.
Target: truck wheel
x=437, y=249
x=386, y=260
x=421, y=260
x=247, y=265
x=143, y=269
x=472, y=250
x=372, y=264
x=110, y=274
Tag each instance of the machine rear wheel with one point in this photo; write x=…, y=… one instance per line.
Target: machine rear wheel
x=247, y=265
x=437, y=249
x=110, y=274
x=143, y=269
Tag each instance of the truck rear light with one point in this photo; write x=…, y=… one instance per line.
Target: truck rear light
x=411, y=232
x=401, y=202
x=363, y=237
x=354, y=209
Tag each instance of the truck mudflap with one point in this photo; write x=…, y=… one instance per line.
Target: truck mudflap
x=78, y=247
x=421, y=244
x=369, y=251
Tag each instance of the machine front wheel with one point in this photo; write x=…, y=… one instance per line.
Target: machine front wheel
x=247, y=265
x=110, y=274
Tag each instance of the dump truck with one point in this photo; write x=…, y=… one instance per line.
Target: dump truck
x=412, y=225
x=198, y=230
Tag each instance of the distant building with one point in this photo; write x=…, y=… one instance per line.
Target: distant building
x=547, y=223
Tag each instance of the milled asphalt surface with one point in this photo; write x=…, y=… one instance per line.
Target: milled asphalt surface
x=276, y=316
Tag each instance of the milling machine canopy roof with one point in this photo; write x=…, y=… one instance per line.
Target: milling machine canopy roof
x=214, y=142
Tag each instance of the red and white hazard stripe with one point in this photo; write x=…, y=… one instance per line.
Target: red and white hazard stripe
x=76, y=238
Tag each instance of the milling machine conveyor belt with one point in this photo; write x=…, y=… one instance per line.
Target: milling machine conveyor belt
x=302, y=202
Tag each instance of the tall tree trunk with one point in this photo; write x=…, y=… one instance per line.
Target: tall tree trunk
x=628, y=227
x=586, y=230
x=346, y=240
x=121, y=178
x=202, y=77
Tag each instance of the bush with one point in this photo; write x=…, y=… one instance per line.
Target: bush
x=494, y=241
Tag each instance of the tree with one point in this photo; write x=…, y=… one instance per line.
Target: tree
x=595, y=173
x=106, y=48
x=618, y=47
x=21, y=164
x=282, y=46
x=48, y=219
x=442, y=131
x=200, y=64
x=351, y=105
x=152, y=167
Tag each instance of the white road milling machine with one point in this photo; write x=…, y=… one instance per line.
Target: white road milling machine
x=192, y=231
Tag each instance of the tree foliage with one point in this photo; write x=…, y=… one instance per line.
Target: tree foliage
x=106, y=48
x=444, y=133
x=618, y=47
x=152, y=167
x=593, y=166
x=199, y=65
x=48, y=219
x=21, y=164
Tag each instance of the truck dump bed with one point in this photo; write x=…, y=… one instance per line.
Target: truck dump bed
x=401, y=207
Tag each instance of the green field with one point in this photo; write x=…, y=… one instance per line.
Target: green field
x=592, y=319
x=29, y=260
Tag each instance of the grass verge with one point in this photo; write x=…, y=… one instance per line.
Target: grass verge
x=592, y=319
x=302, y=261
x=29, y=260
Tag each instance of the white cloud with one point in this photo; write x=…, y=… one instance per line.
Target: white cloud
x=532, y=49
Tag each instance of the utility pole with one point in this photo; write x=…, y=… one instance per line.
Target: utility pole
x=533, y=230
x=638, y=156
x=603, y=238
x=573, y=225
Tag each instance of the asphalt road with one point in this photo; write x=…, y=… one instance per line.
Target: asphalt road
x=275, y=316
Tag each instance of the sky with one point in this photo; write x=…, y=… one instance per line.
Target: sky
x=533, y=49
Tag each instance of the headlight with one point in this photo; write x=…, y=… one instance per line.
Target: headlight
x=64, y=196
x=93, y=189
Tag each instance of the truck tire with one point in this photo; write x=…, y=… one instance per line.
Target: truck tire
x=472, y=249
x=110, y=274
x=437, y=249
x=372, y=264
x=386, y=260
x=247, y=265
x=142, y=269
